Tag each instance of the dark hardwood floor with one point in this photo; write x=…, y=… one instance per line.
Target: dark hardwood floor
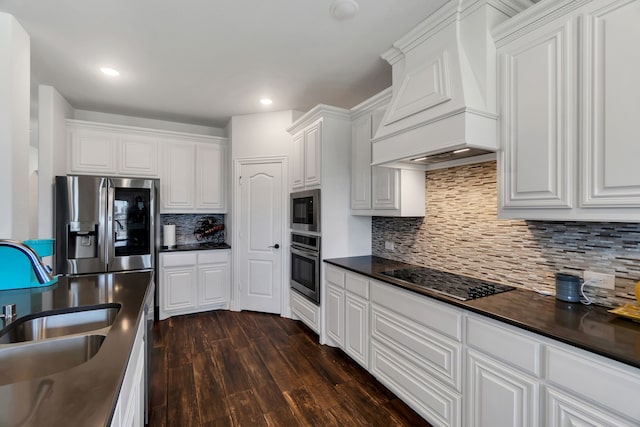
x=224, y=368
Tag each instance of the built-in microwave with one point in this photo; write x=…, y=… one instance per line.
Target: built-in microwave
x=305, y=211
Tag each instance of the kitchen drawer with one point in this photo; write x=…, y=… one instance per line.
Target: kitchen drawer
x=563, y=409
x=432, y=352
x=335, y=275
x=177, y=260
x=215, y=256
x=421, y=309
x=612, y=385
x=505, y=345
x=306, y=311
x=358, y=285
x=429, y=398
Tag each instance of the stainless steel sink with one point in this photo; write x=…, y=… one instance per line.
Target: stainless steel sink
x=56, y=325
x=37, y=359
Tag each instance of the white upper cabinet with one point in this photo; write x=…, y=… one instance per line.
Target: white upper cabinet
x=194, y=175
x=538, y=138
x=111, y=150
x=611, y=93
x=177, y=182
x=211, y=177
x=568, y=97
x=192, y=168
x=306, y=168
x=375, y=190
x=91, y=150
x=139, y=156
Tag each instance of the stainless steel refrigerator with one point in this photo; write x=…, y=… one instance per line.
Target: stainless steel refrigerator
x=105, y=224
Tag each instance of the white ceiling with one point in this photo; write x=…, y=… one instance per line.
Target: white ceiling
x=202, y=61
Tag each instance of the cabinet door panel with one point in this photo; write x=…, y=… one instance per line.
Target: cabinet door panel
x=538, y=137
x=335, y=314
x=385, y=188
x=92, y=151
x=210, y=178
x=611, y=104
x=179, y=290
x=313, y=155
x=357, y=329
x=361, y=163
x=213, y=282
x=138, y=156
x=297, y=162
x=498, y=396
x=178, y=177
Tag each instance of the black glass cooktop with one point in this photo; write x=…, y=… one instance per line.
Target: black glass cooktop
x=449, y=284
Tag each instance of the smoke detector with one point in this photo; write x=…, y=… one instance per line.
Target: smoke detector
x=344, y=9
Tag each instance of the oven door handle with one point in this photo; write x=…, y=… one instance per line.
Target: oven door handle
x=307, y=254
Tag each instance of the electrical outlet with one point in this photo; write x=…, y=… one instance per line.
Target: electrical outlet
x=389, y=245
x=600, y=280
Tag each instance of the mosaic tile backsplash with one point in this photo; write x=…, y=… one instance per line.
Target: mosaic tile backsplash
x=186, y=224
x=461, y=233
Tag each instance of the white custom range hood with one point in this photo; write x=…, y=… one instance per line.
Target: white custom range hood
x=443, y=106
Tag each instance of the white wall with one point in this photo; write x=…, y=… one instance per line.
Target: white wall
x=261, y=135
x=14, y=128
x=52, y=112
x=116, y=119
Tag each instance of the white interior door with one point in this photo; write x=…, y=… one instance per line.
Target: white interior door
x=260, y=236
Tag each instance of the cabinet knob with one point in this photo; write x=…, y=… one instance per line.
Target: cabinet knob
x=276, y=246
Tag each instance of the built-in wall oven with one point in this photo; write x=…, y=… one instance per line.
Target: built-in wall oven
x=305, y=265
x=305, y=211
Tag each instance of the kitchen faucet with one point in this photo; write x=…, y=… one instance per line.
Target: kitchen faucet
x=42, y=272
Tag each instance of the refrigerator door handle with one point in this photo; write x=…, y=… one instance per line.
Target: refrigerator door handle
x=109, y=241
x=102, y=222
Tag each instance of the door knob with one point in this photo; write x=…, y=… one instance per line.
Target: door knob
x=276, y=246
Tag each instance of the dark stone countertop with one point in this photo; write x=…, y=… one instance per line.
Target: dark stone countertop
x=591, y=327
x=195, y=247
x=86, y=394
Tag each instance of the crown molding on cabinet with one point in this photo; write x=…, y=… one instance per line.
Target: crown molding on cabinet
x=143, y=131
x=318, y=112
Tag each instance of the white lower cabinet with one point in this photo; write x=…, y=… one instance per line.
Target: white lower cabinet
x=455, y=367
x=347, y=313
x=129, y=410
x=416, y=352
x=194, y=281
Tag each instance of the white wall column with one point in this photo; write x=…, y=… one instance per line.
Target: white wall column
x=14, y=128
x=52, y=149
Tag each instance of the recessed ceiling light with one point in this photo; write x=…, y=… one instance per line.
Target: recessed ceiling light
x=462, y=150
x=266, y=101
x=419, y=159
x=344, y=9
x=110, y=71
